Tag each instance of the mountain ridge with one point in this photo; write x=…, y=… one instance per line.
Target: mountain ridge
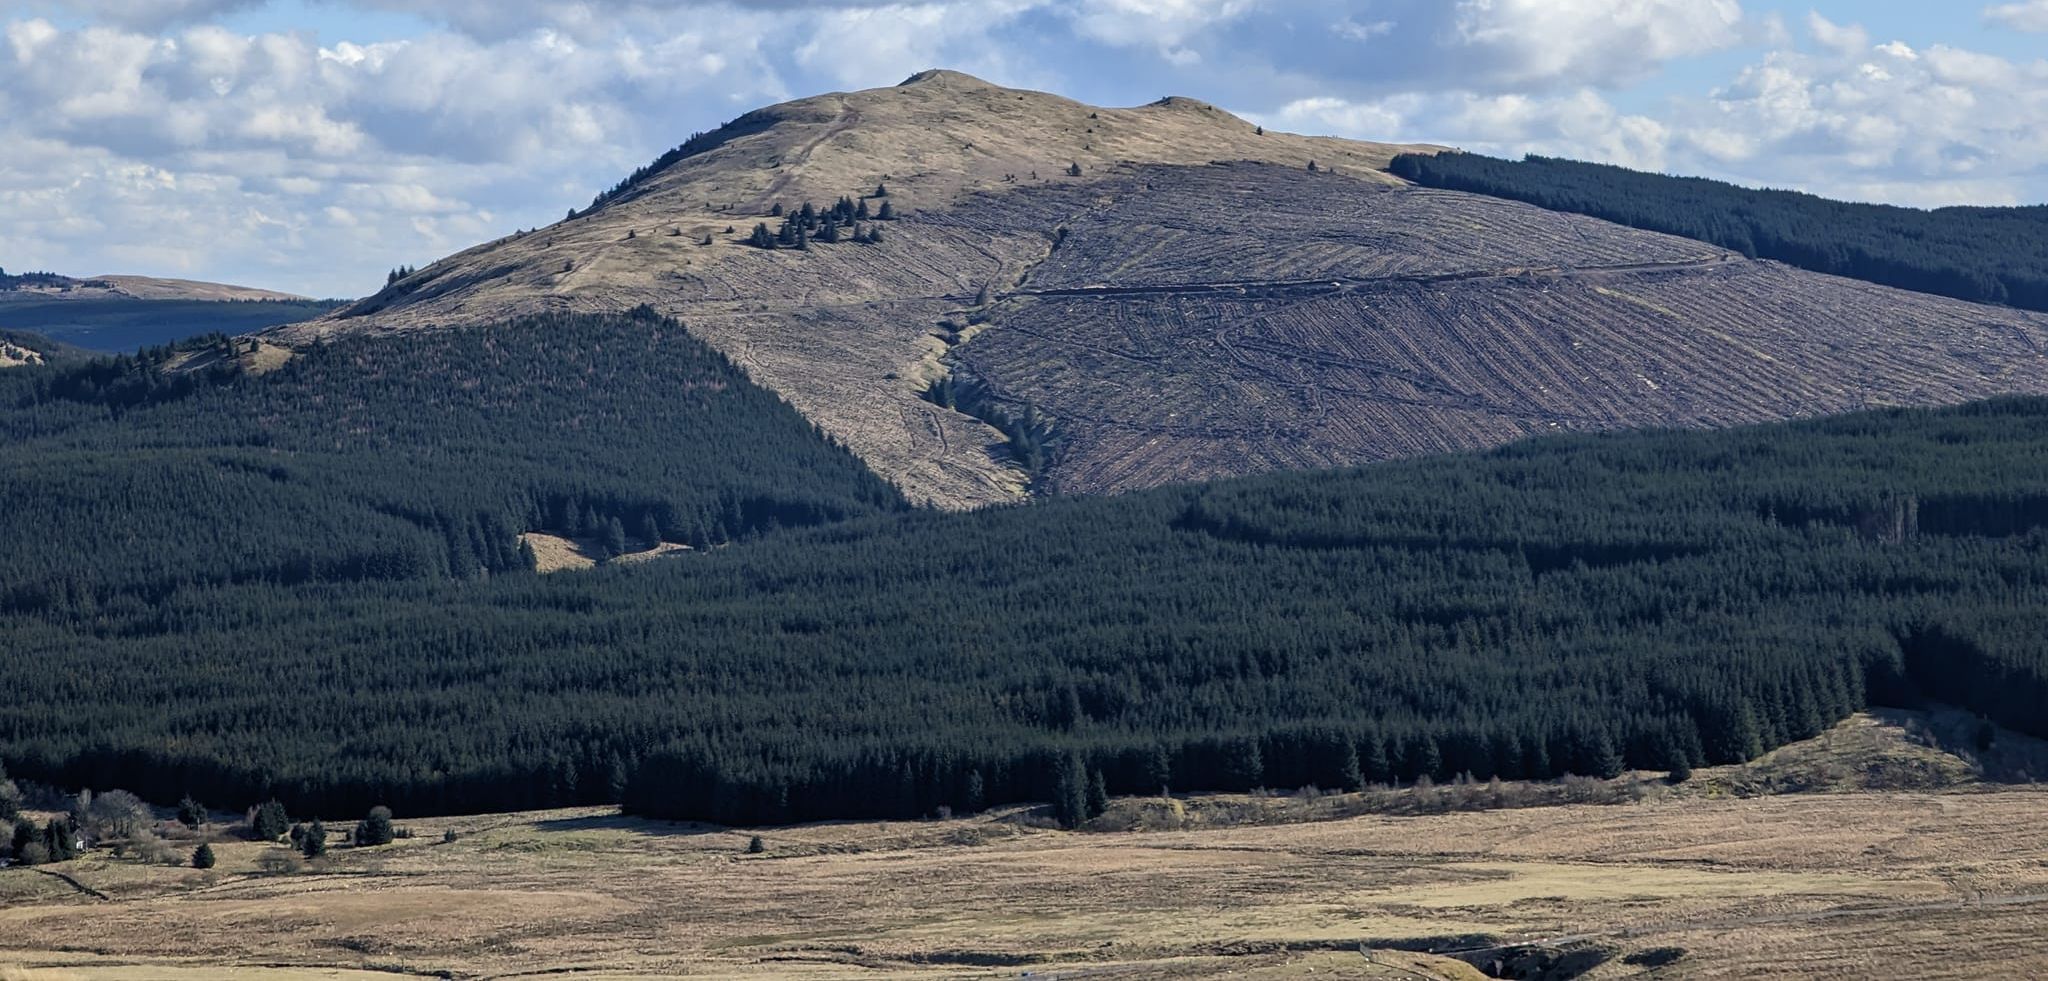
x=1073, y=298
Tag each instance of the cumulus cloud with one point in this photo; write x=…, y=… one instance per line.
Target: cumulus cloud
x=146, y=136
x=2030, y=15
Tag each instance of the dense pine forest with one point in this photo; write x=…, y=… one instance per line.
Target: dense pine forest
x=1985, y=255
x=130, y=481
x=297, y=584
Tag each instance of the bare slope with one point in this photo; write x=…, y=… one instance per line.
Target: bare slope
x=1352, y=323
x=843, y=332
x=1176, y=318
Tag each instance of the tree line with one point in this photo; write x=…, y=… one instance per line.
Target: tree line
x=1985, y=255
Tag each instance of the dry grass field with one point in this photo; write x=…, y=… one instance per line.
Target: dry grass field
x=1843, y=881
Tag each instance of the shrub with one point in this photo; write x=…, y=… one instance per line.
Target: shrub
x=376, y=828
x=279, y=863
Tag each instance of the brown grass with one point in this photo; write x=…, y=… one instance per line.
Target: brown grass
x=1848, y=883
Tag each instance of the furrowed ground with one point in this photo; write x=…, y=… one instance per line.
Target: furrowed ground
x=1194, y=323
x=1943, y=879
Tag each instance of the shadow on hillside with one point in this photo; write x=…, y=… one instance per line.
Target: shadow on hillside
x=1997, y=754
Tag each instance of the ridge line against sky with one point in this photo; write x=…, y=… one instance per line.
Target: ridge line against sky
x=311, y=145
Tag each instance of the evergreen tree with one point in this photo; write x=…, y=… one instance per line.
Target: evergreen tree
x=975, y=796
x=881, y=190
x=1074, y=169
x=314, y=844
x=1098, y=794
x=888, y=212
x=376, y=828
x=613, y=539
x=860, y=211
x=60, y=840
x=191, y=813
x=650, y=532
x=762, y=238
x=269, y=822
x=1070, y=791
x=756, y=846
x=202, y=857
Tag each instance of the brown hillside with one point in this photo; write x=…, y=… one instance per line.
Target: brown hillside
x=843, y=332
x=1196, y=302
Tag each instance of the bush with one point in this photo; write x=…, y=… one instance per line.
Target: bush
x=279, y=863
x=376, y=828
x=202, y=857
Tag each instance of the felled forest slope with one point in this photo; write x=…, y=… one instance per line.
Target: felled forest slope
x=842, y=331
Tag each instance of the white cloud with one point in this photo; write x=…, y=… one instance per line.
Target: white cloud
x=1847, y=40
x=1592, y=41
x=2030, y=15
x=1579, y=123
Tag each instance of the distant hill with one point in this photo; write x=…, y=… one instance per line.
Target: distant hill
x=1066, y=298
x=114, y=314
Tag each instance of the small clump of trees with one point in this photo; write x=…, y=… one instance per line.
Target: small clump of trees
x=846, y=220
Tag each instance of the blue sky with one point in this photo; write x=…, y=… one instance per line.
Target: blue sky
x=310, y=145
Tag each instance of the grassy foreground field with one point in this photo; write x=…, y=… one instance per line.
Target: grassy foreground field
x=1947, y=880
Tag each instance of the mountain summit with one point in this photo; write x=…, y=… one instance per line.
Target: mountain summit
x=985, y=292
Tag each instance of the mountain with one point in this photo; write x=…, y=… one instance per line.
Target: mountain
x=117, y=314
x=1091, y=300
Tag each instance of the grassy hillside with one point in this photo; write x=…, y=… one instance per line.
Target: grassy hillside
x=1985, y=255
x=1567, y=605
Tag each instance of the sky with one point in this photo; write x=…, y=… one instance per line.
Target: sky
x=312, y=145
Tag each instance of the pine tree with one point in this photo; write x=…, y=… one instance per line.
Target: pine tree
x=860, y=211
x=975, y=797
x=888, y=212
x=756, y=846
x=650, y=531
x=1070, y=792
x=375, y=828
x=881, y=190
x=202, y=857
x=614, y=539
x=762, y=237
x=1098, y=795
x=191, y=813
x=1074, y=169
x=315, y=843
x=270, y=821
